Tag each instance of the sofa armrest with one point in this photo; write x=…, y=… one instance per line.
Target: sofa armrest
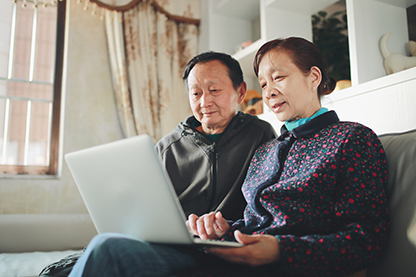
x=400, y=254
x=44, y=232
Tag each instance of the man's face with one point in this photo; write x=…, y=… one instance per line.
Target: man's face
x=212, y=96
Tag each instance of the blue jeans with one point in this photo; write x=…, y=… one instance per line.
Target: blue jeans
x=120, y=255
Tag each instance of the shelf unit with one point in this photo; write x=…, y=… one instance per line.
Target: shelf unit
x=368, y=21
x=227, y=23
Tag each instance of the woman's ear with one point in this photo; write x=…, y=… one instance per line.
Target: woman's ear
x=242, y=91
x=316, y=76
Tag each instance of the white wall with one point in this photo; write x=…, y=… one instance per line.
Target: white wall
x=89, y=119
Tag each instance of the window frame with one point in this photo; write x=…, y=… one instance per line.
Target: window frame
x=52, y=168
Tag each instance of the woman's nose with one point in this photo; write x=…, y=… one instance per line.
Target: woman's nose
x=269, y=92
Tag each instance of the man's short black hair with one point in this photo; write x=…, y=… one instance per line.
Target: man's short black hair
x=234, y=70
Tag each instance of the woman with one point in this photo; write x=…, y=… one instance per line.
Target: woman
x=316, y=195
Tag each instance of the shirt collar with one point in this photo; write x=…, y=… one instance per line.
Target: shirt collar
x=290, y=125
x=313, y=125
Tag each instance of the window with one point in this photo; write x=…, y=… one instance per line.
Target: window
x=31, y=59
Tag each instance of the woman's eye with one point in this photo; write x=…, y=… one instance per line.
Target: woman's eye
x=278, y=77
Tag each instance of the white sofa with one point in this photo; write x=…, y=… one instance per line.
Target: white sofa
x=51, y=233
x=29, y=242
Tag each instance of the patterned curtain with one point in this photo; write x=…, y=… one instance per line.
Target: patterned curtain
x=149, y=45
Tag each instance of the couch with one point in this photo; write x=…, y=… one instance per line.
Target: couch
x=56, y=236
x=399, y=258
x=29, y=242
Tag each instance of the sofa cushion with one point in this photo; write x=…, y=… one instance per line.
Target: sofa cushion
x=399, y=258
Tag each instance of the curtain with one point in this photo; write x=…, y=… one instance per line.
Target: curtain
x=149, y=47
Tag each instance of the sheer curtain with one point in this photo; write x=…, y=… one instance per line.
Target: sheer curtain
x=149, y=45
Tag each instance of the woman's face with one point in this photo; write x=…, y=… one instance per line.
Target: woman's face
x=214, y=100
x=287, y=91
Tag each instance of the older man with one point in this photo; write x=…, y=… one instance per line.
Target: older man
x=208, y=154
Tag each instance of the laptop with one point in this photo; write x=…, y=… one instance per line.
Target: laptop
x=127, y=190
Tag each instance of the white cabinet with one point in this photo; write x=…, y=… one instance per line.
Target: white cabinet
x=225, y=24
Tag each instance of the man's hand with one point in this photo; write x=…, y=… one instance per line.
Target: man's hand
x=208, y=226
x=257, y=250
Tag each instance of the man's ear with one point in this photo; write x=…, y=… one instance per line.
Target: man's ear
x=242, y=91
x=316, y=76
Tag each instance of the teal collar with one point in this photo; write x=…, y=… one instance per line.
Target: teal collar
x=290, y=125
x=213, y=137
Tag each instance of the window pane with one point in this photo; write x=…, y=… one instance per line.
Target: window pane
x=45, y=44
x=39, y=134
x=5, y=31
x=23, y=41
x=27, y=89
x=31, y=90
x=16, y=141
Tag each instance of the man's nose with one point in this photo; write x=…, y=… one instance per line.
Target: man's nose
x=206, y=99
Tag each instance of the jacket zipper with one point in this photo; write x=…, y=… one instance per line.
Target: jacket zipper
x=214, y=183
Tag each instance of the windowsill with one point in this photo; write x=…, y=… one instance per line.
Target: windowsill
x=25, y=177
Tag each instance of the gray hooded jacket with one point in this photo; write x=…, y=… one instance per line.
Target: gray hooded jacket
x=207, y=175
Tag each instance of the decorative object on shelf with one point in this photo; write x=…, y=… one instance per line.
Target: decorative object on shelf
x=412, y=47
x=243, y=45
x=341, y=84
x=395, y=62
x=252, y=103
x=331, y=36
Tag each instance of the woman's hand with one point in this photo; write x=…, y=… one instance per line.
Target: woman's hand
x=257, y=250
x=208, y=226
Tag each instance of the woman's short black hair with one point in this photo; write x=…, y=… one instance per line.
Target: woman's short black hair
x=234, y=70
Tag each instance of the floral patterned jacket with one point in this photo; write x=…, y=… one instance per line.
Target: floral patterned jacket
x=321, y=190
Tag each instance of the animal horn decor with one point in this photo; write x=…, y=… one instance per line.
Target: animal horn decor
x=395, y=62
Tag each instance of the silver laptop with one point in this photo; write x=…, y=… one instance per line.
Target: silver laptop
x=127, y=190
